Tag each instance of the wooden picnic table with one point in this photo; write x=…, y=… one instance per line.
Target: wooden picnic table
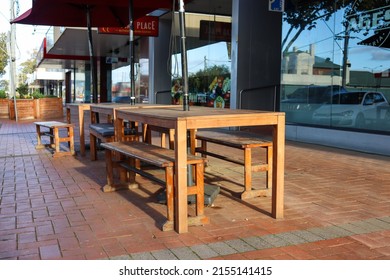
x=203, y=117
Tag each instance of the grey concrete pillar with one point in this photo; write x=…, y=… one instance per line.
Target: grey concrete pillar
x=159, y=56
x=256, y=55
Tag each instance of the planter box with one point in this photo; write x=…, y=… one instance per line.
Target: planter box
x=26, y=109
x=49, y=108
x=43, y=108
x=4, y=112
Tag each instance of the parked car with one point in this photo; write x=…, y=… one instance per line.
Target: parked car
x=300, y=104
x=354, y=109
x=121, y=99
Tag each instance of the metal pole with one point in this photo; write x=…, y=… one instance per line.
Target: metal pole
x=345, y=56
x=131, y=53
x=92, y=59
x=184, y=65
x=12, y=36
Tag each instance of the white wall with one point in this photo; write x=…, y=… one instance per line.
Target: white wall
x=349, y=140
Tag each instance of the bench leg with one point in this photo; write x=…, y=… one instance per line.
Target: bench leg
x=93, y=151
x=56, y=140
x=203, y=147
x=131, y=175
x=169, y=190
x=71, y=140
x=39, y=144
x=248, y=169
x=198, y=190
x=169, y=178
x=269, y=166
x=109, y=187
x=199, y=181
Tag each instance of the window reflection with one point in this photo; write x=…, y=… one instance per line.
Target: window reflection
x=335, y=68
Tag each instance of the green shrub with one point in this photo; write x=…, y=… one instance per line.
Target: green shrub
x=23, y=90
x=37, y=94
x=3, y=94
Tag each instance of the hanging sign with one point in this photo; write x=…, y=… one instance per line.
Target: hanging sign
x=145, y=26
x=276, y=5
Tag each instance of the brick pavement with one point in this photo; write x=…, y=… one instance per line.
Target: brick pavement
x=337, y=206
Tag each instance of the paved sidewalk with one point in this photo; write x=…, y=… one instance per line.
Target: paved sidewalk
x=337, y=206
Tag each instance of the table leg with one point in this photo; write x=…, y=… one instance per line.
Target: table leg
x=181, y=222
x=278, y=168
x=81, y=131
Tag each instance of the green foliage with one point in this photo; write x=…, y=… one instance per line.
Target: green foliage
x=37, y=95
x=3, y=53
x=28, y=66
x=23, y=90
x=200, y=81
x=3, y=94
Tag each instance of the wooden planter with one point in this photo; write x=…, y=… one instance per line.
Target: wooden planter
x=4, y=112
x=25, y=108
x=49, y=108
x=43, y=108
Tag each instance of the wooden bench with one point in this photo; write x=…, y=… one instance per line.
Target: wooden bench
x=55, y=139
x=105, y=132
x=131, y=153
x=244, y=141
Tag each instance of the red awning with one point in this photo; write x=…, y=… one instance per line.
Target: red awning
x=72, y=13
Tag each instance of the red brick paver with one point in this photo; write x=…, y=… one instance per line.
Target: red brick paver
x=53, y=208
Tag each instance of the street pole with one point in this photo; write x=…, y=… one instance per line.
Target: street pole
x=345, y=55
x=12, y=72
x=131, y=53
x=92, y=59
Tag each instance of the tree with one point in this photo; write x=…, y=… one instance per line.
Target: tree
x=303, y=15
x=3, y=53
x=22, y=90
x=28, y=67
x=201, y=80
x=4, y=84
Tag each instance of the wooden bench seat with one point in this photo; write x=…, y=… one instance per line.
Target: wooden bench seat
x=131, y=153
x=244, y=141
x=105, y=132
x=55, y=138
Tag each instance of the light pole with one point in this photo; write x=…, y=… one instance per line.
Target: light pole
x=12, y=65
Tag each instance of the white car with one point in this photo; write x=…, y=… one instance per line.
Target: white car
x=354, y=109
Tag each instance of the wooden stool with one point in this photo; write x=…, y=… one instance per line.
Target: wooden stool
x=55, y=138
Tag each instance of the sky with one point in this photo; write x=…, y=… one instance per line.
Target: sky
x=28, y=37
x=365, y=58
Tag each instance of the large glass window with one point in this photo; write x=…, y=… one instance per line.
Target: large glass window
x=336, y=62
x=208, y=56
